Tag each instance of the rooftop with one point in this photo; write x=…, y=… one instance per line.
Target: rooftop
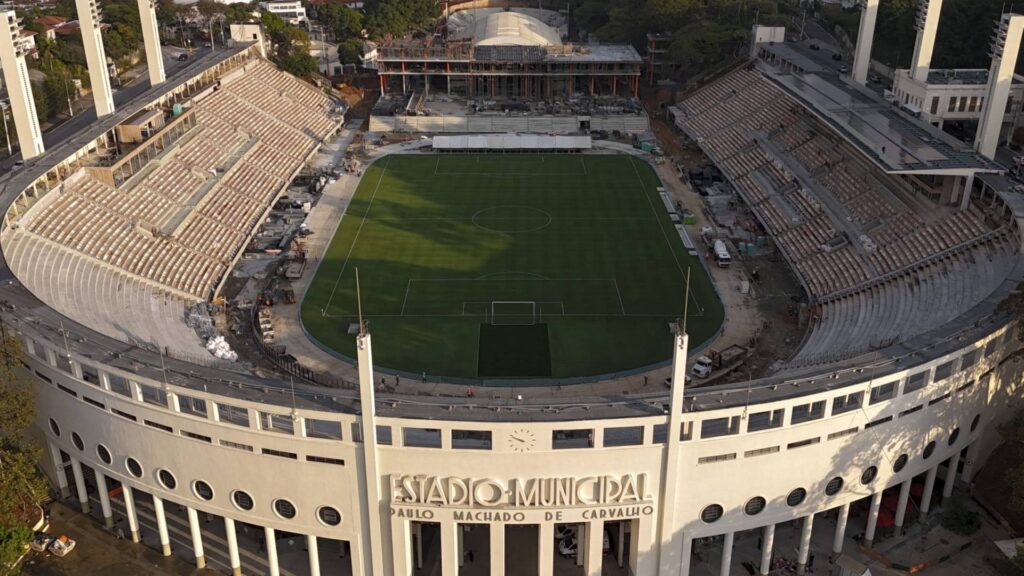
x=967, y=77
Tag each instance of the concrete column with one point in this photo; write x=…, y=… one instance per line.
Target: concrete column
x=83, y=496
x=450, y=548
x=151, y=38
x=401, y=547
x=869, y=532
x=314, y=555
x=161, y=525
x=595, y=543
x=865, y=36
x=1000, y=77
x=929, y=487
x=497, y=537
x=841, y=521
x=805, y=544
x=101, y=487
x=965, y=199
x=927, y=25
x=270, y=536
x=684, y=555
x=95, y=56
x=460, y=540
x=581, y=543
x=901, y=506
x=545, y=549
x=621, y=542
x=19, y=88
x=129, y=508
x=970, y=460
x=947, y=485
x=197, y=537
x=726, y=565
x=767, y=541
x=59, y=472
x=236, y=562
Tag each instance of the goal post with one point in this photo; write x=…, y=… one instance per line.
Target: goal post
x=513, y=312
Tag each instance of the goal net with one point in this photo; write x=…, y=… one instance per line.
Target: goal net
x=513, y=313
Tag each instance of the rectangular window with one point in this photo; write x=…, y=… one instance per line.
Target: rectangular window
x=715, y=427
x=968, y=359
x=990, y=348
x=67, y=390
x=807, y=412
x=158, y=426
x=915, y=382
x=847, y=403
x=95, y=403
x=567, y=439
x=842, y=433
x=878, y=422
x=624, y=436
x=882, y=393
x=119, y=385
x=193, y=406
x=1009, y=105
x=952, y=104
x=935, y=401
x=965, y=386
x=802, y=443
x=384, y=435
x=422, y=437
x=90, y=375
x=660, y=434
x=153, y=395
x=236, y=445
x=765, y=420
x=233, y=415
x=329, y=429
x=63, y=362
x=39, y=351
x=943, y=371
x=325, y=460
x=973, y=104
x=195, y=436
x=471, y=439
x=124, y=415
x=280, y=423
x=761, y=452
x=43, y=377
x=935, y=105
x=910, y=411
x=718, y=458
x=963, y=104
x=280, y=453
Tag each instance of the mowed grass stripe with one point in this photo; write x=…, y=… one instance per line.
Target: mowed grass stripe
x=426, y=227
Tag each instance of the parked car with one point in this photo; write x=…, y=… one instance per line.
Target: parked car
x=18, y=165
x=62, y=546
x=182, y=57
x=41, y=542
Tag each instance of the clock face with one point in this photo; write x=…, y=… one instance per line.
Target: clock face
x=520, y=440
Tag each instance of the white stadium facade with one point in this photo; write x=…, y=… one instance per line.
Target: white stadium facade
x=900, y=384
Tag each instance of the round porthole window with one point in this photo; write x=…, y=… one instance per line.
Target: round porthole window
x=929, y=449
x=284, y=509
x=900, y=463
x=54, y=427
x=868, y=476
x=953, y=436
x=242, y=500
x=711, y=514
x=329, y=516
x=133, y=466
x=796, y=497
x=754, y=506
x=77, y=441
x=167, y=479
x=975, y=422
x=202, y=490
x=834, y=486
x=104, y=454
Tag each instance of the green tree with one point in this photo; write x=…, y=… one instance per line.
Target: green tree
x=399, y=17
x=340, y=20
x=350, y=51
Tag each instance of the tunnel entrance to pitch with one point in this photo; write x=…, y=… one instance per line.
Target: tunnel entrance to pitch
x=522, y=550
x=426, y=547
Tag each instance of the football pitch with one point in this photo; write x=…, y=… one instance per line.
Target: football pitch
x=509, y=266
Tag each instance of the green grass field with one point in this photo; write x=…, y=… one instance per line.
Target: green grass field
x=520, y=266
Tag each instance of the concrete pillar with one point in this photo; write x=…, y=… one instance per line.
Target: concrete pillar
x=581, y=541
x=805, y=544
x=927, y=26
x=869, y=532
x=929, y=487
x=450, y=548
x=460, y=536
x=947, y=485
x=621, y=542
x=161, y=525
x=767, y=541
x=545, y=549
x=965, y=198
x=129, y=509
x=865, y=36
x=270, y=537
x=401, y=547
x=594, y=550
x=83, y=495
x=841, y=522
x=19, y=88
x=901, y=505
x=371, y=556
x=314, y=555
x=970, y=461
x=151, y=39
x=1000, y=77
x=59, y=472
x=235, y=561
x=497, y=537
x=197, y=537
x=669, y=540
x=684, y=556
x=726, y=565
x=95, y=56
x=101, y=487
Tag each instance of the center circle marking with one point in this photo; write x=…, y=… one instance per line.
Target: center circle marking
x=511, y=219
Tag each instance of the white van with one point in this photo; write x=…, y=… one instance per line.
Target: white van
x=722, y=257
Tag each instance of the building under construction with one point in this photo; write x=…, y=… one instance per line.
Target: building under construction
x=497, y=54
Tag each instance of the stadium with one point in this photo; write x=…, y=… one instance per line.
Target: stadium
x=200, y=278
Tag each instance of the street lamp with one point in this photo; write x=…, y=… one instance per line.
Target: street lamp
x=4, y=106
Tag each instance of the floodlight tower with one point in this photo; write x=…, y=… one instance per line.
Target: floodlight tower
x=151, y=37
x=927, y=25
x=865, y=36
x=23, y=106
x=1005, y=48
x=95, y=56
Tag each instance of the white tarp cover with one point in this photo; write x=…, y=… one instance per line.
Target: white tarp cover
x=511, y=142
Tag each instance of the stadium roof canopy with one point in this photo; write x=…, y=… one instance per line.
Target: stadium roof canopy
x=511, y=142
x=511, y=29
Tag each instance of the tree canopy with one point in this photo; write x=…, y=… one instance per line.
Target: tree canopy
x=290, y=46
x=399, y=17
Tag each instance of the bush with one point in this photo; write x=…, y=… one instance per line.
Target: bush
x=960, y=519
x=12, y=545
